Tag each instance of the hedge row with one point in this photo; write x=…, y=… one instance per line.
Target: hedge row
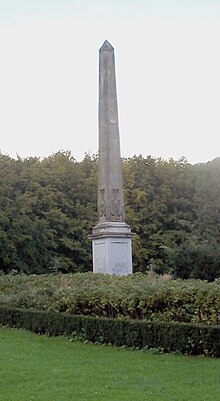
x=137, y=296
x=170, y=337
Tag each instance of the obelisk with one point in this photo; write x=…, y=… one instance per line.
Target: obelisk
x=111, y=237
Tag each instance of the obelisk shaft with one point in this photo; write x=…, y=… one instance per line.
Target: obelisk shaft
x=111, y=237
x=110, y=188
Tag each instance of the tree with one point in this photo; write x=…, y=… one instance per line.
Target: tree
x=48, y=208
x=158, y=196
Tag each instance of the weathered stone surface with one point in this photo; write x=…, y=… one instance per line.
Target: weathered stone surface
x=111, y=237
x=110, y=195
x=112, y=253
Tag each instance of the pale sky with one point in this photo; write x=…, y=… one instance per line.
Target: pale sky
x=168, y=76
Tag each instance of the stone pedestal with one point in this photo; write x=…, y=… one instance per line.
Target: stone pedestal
x=111, y=244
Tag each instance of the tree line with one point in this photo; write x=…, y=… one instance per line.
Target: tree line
x=48, y=208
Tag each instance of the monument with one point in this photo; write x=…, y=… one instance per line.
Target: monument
x=111, y=237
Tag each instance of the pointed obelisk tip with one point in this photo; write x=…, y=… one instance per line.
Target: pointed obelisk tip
x=106, y=47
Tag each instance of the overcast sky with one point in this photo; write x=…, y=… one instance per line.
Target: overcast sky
x=168, y=76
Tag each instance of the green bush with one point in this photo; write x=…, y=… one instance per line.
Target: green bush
x=200, y=261
x=185, y=338
x=137, y=296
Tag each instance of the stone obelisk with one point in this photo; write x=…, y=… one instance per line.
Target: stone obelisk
x=111, y=237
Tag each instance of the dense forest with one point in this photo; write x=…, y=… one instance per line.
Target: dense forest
x=48, y=208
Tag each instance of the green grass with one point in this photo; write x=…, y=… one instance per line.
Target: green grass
x=38, y=368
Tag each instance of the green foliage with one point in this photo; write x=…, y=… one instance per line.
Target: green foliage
x=185, y=338
x=159, y=196
x=197, y=261
x=137, y=296
x=207, y=199
x=48, y=208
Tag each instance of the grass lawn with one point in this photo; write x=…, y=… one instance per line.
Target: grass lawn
x=35, y=368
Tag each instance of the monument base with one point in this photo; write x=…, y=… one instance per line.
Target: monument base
x=112, y=253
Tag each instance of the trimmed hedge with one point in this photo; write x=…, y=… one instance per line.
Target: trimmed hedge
x=168, y=336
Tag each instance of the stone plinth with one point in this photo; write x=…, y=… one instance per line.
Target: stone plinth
x=111, y=243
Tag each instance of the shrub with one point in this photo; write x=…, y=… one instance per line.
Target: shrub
x=167, y=336
x=201, y=261
x=137, y=296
